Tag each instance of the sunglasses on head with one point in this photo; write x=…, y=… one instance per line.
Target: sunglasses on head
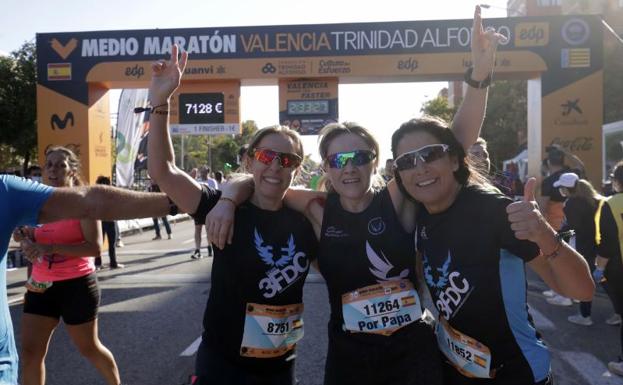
x=425, y=154
x=286, y=159
x=356, y=158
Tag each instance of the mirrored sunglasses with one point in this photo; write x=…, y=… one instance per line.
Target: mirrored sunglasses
x=425, y=154
x=286, y=159
x=357, y=158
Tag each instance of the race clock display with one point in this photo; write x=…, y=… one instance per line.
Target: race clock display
x=201, y=108
x=308, y=107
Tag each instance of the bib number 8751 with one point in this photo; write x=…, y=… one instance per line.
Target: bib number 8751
x=278, y=327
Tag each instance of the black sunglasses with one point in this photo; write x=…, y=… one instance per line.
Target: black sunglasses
x=426, y=154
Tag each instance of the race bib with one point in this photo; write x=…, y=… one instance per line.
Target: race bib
x=37, y=287
x=382, y=308
x=470, y=357
x=271, y=331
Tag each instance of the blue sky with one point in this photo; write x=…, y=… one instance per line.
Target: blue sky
x=20, y=20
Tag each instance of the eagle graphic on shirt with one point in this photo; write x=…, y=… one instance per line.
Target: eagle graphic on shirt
x=266, y=251
x=381, y=266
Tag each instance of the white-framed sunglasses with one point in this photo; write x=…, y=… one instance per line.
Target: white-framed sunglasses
x=425, y=154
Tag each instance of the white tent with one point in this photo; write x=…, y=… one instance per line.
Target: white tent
x=521, y=160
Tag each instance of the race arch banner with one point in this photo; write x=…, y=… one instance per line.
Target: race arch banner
x=565, y=52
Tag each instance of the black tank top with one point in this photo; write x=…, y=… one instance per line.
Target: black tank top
x=362, y=249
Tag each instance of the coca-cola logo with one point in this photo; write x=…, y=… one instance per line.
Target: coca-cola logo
x=579, y=143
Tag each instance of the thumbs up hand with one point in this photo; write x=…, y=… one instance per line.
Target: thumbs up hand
x=525, y=218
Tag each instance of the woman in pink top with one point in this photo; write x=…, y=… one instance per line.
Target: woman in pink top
x=63, y=282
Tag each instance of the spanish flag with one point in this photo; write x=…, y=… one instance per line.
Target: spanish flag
x=59, y=71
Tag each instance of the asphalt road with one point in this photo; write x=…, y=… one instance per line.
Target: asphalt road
x=152, y=310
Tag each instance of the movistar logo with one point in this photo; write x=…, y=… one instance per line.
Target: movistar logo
x=57, y=122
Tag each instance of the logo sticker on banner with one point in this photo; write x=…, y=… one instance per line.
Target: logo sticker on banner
x=575, y=57
x=64, y=50
x=575, y=31
x=59, y=71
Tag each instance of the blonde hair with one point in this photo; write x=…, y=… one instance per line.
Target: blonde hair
x=332, y=131
x=584, y=189
x=279, y=130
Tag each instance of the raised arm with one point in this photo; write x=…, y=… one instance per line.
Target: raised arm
x=102, y=202
x=179, y=186
x=468, y=119
x=220, y=220
x=559, y=265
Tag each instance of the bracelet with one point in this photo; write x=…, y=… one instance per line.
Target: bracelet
x=233, y=202
x=173, y=209
x=556, y=251
x=474, y=83
x=152, y=110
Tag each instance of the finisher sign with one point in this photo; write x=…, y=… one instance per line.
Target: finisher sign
x=205, y=109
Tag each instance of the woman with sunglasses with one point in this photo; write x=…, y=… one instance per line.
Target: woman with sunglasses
x=474, y=246
x=253, y=316
x=367, y=256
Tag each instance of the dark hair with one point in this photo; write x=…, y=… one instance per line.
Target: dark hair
x=72, y=160
x=242, y=151
x=438, y=128
x=555, y=156
x=103, y=180
x=32, y=168
x=218, y=175
x=617, y=173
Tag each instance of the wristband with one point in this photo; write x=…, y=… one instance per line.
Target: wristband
x=233, y=202
x=173, y=209
x=153, y=109
x=474, y=83
x=560, y=241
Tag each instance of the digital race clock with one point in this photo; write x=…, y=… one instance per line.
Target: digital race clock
x=308, y=107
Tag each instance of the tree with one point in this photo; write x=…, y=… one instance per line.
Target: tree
x=506, y=116
x=18, y=90
x=439, y=107
x=506, y=119
x=219, y=152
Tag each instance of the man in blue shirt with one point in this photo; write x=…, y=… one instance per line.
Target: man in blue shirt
x=26, y=203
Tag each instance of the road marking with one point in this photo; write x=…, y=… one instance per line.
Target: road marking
x=541, y=322
x=178, y=279
x=192, y=349
x=150, y=251
x=588, y=367
x=204, y=240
